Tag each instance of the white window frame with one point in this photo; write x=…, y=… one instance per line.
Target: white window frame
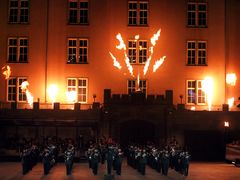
x=76, y=88
x=136, y=20
x=19, y=9
x=199, y=93
x=197, y=54
x=132, y=88
x=18, y=47
x=75, y=58
x=78, y=9
x=20, y=96
x=197, y=12
x=136, y=49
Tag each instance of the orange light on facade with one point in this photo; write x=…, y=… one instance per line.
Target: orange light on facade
x=193, y=108
x=6, y=71
x=207, y=87
x=226, y=124
x=230, y=102
x=24, y=87
x=52, y=92
x=231, y=79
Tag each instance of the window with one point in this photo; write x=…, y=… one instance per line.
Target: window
x=197, y=14
x=14, y=91
x=77, y=51
x=195, y=93
x=133, y=86
x=79, y=85
x=137, y=51
x=17, y=50
x=78, y=11
x=197, y=53
x=18, y=11
x=137, y=13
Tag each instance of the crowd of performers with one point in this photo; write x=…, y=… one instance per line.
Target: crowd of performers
x=111, y=154
x=160, y=159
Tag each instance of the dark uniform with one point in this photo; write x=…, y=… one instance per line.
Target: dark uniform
x=69, y=156
x=165, y=163
x=110, y=157
x=118, y=159
x=142, y=162
x=95, y=158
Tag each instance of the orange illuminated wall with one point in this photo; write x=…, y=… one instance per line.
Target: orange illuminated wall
x=48, y=32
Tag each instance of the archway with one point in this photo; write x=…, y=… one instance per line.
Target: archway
x=137, y=131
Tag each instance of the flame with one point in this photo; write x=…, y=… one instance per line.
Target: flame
x=158, y=63
x=231, y=102
x=138, y=82
x=7, y=71
x=207, y=86
x=154, y=39
x=121, y=42
x=115, y=61
x=123, y=46
x=24, y=87
x=71, y=96
x=231, y=79
x=52, y=92
x=226, y=124
x=137, y=37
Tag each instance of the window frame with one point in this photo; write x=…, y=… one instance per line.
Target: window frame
x=132, y=89
x=19, y=8
x=200, y=54
x=137, y=49
x=77, y=87
x=196, y=13
x=77, y=49
x=136, y=20
x=18, y=48
x=78, y=10
x=199, y=93
x=19, y=95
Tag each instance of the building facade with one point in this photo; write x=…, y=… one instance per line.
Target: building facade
x=71, y=51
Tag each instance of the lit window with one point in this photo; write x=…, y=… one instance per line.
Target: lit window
x=77, y=50
x=138, y=13
x=197, y=14
x=195, y=93
x=137, y=51
x=80, y=86
x=197, y=53
x=18, y=11
x=14, y=91
x=78, y=11
x=17, y=50
x=133, y=86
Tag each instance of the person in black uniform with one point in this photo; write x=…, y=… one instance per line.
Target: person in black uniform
x=110, y=157
x=95, y=158
x=142, y=162
x=46, y=161
x=68, y=156
x=119, y=159
x=165, y=163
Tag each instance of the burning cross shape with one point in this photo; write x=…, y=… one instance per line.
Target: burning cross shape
x=122, y=46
